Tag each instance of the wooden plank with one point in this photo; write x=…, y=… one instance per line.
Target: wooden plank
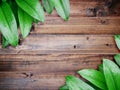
x=81, y=21
x=78, y=25
x=78, y=8
x=77, y=29
x=18, y=80
x=50, y=62
x=43, y=72
x=66, y=44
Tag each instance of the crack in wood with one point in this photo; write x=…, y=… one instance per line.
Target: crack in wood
x=28, y=74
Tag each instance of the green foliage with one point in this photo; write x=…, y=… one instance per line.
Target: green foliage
x=95, y=77
x=48, y=6
x=63, y=8
x=112, y=75
x=22, y=13
x=106, y=78
x=117, y=40
x=8, y=25
x=117, y=59
x=5, y=43
x=25, y=22
x=65, y=87
x=75, y=83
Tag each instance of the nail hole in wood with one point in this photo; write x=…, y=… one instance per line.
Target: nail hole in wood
x=75, y=46
x=108, y=45
x=87, y=38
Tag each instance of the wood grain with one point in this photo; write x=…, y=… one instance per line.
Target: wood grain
x=75, y=44
x=36, y=82
x=50, y=62
x=78, y=29
x=43, y=72
x=57, y=48
x=80, y=23
x=79, y=7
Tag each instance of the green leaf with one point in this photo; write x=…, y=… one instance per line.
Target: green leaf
x=117, y=59
x=14, y=8
x=8, y=25
x=5, y=43
x=33, y=8
x=112, y=74
x=117, y=39
x=65, y=87
x=95, y=77
x=48, y=6
x=76, y=84
x=4, y=0
x=62, y=7
x=25, y=22
x=35, y=21
x=101, y=68
x=92, y=85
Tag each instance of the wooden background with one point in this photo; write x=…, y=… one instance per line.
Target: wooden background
x=57, y=48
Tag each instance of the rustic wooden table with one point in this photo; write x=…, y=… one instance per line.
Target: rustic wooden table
x=58, y=48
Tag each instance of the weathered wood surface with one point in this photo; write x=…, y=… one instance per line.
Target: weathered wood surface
x=80, y=25
x=65, y=44
x=42, y=72
x=57, y=48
